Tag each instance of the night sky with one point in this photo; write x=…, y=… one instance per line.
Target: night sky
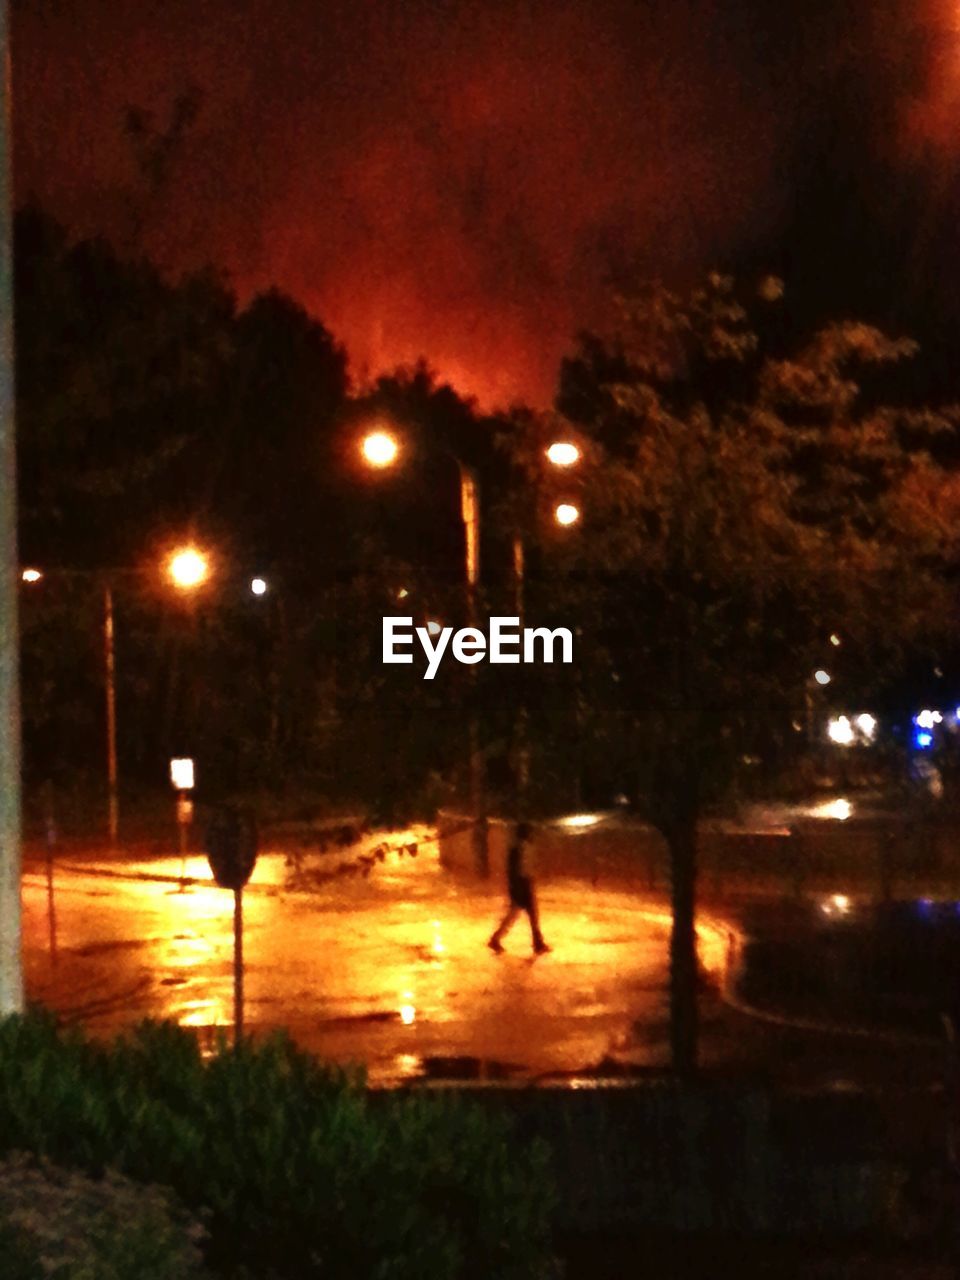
x=457, y=180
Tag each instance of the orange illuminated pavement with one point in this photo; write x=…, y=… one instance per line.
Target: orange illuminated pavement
x=392, y=971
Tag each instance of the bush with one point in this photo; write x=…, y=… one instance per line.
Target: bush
x=64, y=1224
x=303, y=1172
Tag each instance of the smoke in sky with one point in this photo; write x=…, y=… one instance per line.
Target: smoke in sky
x=429, y=177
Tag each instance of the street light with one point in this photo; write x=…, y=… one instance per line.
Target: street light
x=188, y=568
x=566, y=513
x=822, y=677
x=258, y=586
x=380, y=449
x=563, y=453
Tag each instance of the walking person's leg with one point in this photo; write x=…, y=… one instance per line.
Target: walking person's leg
x=504, y=927
x=539, y=945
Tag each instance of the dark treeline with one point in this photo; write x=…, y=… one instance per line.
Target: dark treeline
x=154, y=413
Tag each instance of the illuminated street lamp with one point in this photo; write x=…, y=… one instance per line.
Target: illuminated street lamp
x=819, y=680
x=566, y=513
x=380, y=449
x=840, y=731
x=563, y=453
x=258, y=586
x=188, y=568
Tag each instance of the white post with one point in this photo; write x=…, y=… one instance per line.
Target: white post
x=110, y=685
x=11, y=965
x=470, y=513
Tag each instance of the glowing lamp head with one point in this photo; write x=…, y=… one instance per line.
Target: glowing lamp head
x=181, y=773
x=566, y=514
x=562, y=453
x=379, y=449
x=258, y=586
x=188, y=568
x=822, y=677
x=31, y=575
x=840, y=731
x=867, y=725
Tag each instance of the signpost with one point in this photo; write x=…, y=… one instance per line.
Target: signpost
x=232, y=846
x=182, y=780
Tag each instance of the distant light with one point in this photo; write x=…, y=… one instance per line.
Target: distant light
x=923, y=739
x=840, y=731
x=258, y=586
x=566, y=513
x=408, y=1014
x=181, y=773
x=839, y=810
x=31, y=575
x=380, y=449
x=581, y=820
x=835, y=640
x=188, y=568
x=402, y=593
x=867, y=725
x=838, y=904
x=822, y=677
x=938, y=672
x=562, y=453
x=927, y=719
x=433, y=627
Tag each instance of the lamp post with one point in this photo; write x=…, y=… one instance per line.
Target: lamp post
x=187, y=568
x=560, y=454
x=110, y=680
x=381, y=450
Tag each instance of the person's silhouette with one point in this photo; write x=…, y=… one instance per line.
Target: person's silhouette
x=521, y=891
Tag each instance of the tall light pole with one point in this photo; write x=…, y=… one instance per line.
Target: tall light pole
x=470, y=514
x=186, y=568
x=11, y=963
x=110, y=682
x=380, y=450
x=561, y=454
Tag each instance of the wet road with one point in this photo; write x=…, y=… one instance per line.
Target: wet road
x=392, y=971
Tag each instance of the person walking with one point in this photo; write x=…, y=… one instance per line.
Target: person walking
x=521, y=892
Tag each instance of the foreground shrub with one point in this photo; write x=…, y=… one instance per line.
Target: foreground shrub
x=304, y=1173
x=67, y=1225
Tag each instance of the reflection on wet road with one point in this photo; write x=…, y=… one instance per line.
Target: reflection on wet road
x=391, y=971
